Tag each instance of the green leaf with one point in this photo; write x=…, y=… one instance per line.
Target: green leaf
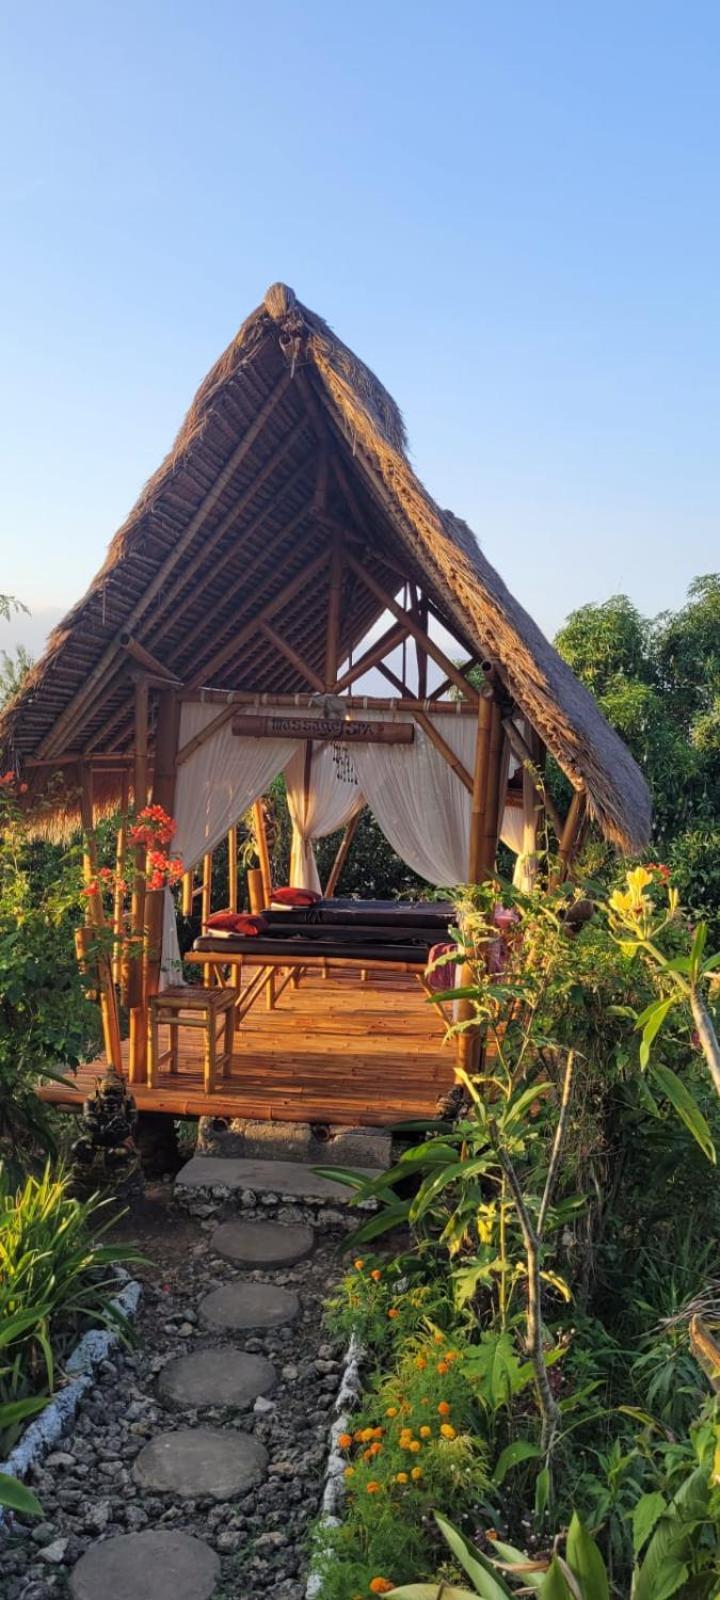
x=586, y=1562
x=433, y=1186
x=528, y=1097
x=655, y=1016
x=542, y=1492
x=698, y=946
x=511, y=1456
x=494, y=1364
x=554, y=1585
x=516, y=1558
x=472, y=1562
x=431, y=1591
x=390, y=1217
x=687, y=1108
x=17, y=1497
x=17, y=1410
x=646, y=1513
x=669, y=1576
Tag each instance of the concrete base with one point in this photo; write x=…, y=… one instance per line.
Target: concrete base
x=283, y=1179
x=248, y=1305
x=164, y=1564
x=218, y=1377
x=262, y=1244
x=294, y=1141
x=196, y=1462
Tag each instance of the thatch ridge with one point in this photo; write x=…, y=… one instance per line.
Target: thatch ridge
x=360, y=411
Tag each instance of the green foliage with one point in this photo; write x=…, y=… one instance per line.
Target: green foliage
x=56, y=1279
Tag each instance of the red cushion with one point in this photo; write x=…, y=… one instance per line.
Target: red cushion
x=294, y=897
x=235, y=922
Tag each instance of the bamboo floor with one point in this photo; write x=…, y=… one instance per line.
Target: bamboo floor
x=333, y=1049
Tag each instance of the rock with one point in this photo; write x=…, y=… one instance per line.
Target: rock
x=43, y=1533
x=60, y=1458
x=263, y=1406
x=262, y=1244
x=228, y=1542
x=221, y=1376
x=164, y=1564
x=55, y=1552
x=194, y=1462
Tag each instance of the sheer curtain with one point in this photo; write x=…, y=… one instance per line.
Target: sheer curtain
x=329, y=803
x=220, y=780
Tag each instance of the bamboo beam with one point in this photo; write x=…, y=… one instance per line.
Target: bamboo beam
x=260, y=700
x=232, y=849
x=263, y=852
x=468, y=1043
x=391, y=605
x=148, y=662
x=524, y=754
x=198, y=739
x=293, y=656
x=118, y=963
x=421, y=653
x=342, y=855
x=206, y=891
x=138, y=1028
x=464, y=667
x=497, y=764
x=188, y=894
x=334, y=620
x=256, y=890
x=392, y=678
x=444, y=749
x=164, y=778
x=569, y=835
x=94, y=681
x=371, y=657
x=108, y=998
x=284, y=596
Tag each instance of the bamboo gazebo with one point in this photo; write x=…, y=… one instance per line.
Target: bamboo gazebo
x=228, y=636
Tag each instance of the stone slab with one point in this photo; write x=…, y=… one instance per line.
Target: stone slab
x=262, y=1244
x=163, y=1564
x=194, y=1462
x=235, y=1173
x=221, y=1376
x=241, y=1305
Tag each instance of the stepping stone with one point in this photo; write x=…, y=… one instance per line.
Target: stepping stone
x=262, y=1244
x=249, y=1305
x=200, y=1461
x=166, y=1565
x=218, y=1377
x=263, y=1177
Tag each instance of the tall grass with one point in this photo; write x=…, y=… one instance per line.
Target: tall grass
x=56, y=1279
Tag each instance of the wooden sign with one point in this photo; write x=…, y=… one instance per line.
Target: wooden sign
x=335, y=730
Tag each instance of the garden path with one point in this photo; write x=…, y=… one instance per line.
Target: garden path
x=195, y=1475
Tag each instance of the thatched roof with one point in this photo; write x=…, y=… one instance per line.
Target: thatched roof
x=233, y=514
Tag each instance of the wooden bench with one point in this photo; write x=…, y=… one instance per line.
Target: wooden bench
x=184, y=1006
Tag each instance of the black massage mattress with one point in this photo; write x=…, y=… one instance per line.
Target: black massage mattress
x=374, y=914
x=299, y=946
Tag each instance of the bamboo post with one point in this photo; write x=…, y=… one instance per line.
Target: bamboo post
x=206, y=891
x=263, y=852
x=467, y=1043
x=332, y=637
x=188, y=893
x=532, y=812
x=497, y=765
x=108, y=998
x=166, y=739
x=569, y=835
x=232, y=848
x=118, y=963
x=256, y=890
x=342, y=855
x=138, y=1028
x=421, y=652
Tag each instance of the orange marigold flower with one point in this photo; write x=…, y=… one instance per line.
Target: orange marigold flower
x=420, y=1363
x=393, y=1312
x=401, y=1477
x=366, y=1435
x=377, y=1433
x=439, y=1337
x=448, y=1431
x=443, y=1368
x=392, y=1411
x=345, y=1440
x=416, y=1474
x=359, y=1264
x=425, y=1432
x=358, y=1437
x=349, y=1472
x=452, y=1355
x=381, y=1586
x=415, y=1445
x=374, y=1487
x=376, y=1274
x=443, y=1409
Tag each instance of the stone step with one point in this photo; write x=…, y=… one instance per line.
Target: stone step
x=221, y=1376
x=228, y=1177
x=262, y=1244
x=193, y=1462
x=242, y=1305
x=163, y=1564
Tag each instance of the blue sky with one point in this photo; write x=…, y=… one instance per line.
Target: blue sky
x=510, y=211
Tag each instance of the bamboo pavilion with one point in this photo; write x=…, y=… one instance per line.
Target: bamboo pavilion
x=225, y=640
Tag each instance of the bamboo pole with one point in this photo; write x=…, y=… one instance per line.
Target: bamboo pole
x=263, y=852
x=206, y=892
x=293, y=656
x=261, y=700
x=569, y=835
x=119, y=964
x=138, y=1029
x=468, y=1044
x=108, y=998
x=256, y=890
x=421, y=652
x=284, y=595
x=188, y=893
x=168, y=724
x=334, y=619
x=497, y=764
x=524, y=753
x=148, y=662
x=342, y=855
x=232, y=849
x=441, y=745
x=396, y=682
x=390, y=604
x=388, y=641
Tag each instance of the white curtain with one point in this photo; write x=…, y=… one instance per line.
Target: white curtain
x=219, y=780
x=329, y=803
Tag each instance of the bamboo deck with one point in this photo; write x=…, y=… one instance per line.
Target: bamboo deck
x=332, y=1050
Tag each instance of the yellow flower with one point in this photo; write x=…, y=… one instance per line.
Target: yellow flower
x=391, y=1411
x=425, y=1432
x=415, y=1445
x=401, y=1477
x=439, y=1337
x=420, y=1363
x=447, y=1431
x=349, y=1472
x=416, y=1473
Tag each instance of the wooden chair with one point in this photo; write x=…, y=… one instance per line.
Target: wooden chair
x=182, y=1006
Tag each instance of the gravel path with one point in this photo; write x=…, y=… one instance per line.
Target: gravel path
x=93, y=1488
